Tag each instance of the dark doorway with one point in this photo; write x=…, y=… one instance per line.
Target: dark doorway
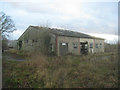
x=63, y=48
x=20, y=44
x=84, y=47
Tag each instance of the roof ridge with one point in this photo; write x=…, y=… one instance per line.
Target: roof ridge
x=67, y=32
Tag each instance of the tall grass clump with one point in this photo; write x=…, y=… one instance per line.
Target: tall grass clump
x=41, y=71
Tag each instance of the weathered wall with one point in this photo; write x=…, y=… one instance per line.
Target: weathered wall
x=27, y=39
x=94, y=41
x=33, y=39
x=70, y=41
x=100, y=48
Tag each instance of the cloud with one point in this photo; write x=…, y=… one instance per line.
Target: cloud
x=68, y=7
x=105, y=36
x=109, y=38
x=74, y=15
x=16, y=34
x=61, y=0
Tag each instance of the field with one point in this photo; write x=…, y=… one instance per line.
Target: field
x=71, y=71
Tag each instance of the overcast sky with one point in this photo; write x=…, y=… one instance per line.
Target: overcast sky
x=95, y=18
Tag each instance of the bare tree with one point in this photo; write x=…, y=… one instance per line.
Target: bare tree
x=6, y=25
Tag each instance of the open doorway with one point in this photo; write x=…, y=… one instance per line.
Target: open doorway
x=84, y=47
x=19, y=44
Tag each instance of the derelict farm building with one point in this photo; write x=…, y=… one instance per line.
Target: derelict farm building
x=59, y=42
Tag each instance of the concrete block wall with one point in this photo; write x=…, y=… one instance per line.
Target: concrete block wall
x=100, y=48
x=70, y=41
x=94, y=41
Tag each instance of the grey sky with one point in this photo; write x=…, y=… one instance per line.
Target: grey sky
x=88, y=17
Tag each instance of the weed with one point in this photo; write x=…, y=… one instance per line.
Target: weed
x=40, y=71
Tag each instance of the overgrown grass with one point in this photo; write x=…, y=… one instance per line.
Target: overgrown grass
x=19, y=52
x=40, y=71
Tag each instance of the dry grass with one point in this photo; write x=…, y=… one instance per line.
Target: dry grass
x=40, y=71
x=19, y=52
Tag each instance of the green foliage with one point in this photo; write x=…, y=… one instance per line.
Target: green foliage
x=40, y=71
x=44, y=43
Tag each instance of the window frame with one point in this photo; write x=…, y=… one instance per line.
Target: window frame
x=75, y=45
x=91, y=45
x=100, y=45
x=96, y=45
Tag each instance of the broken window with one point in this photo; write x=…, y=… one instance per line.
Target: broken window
x=100, y=45
x=75, y=45
x=96, y=45
x=91, y=45
x=84, y=47
x=63, y=44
